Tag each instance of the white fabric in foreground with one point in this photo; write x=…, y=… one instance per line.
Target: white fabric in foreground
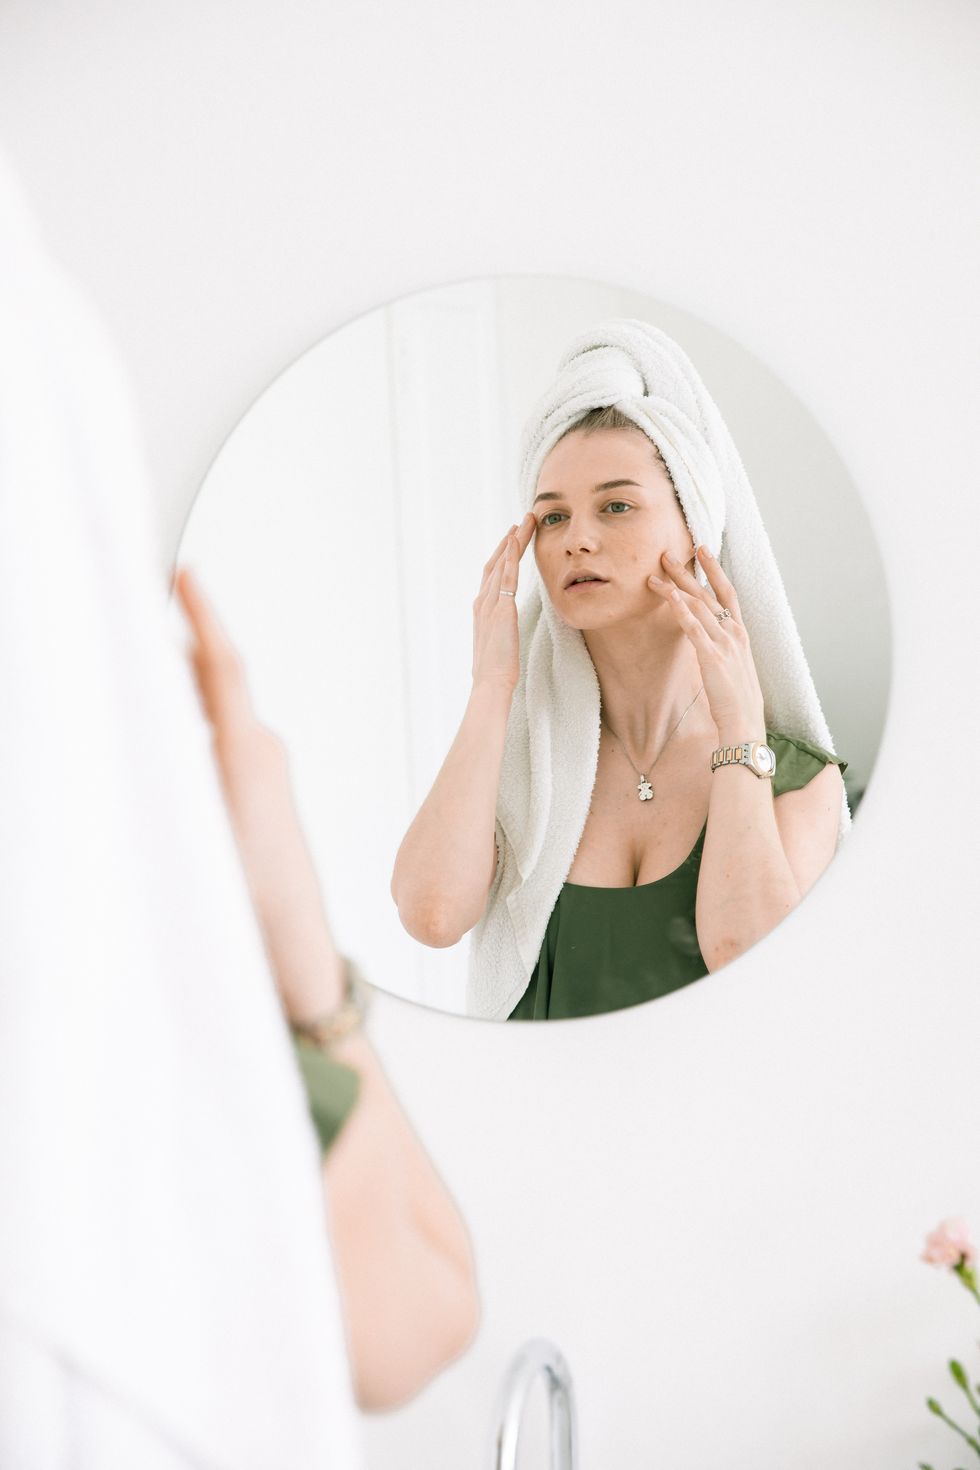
x=552, y=742
x=162, y=1230
x=54, y=1415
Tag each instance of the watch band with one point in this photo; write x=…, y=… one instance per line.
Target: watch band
x=325, y=1031
x=747, y=754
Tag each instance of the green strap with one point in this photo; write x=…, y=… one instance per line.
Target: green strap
x=332, y=1089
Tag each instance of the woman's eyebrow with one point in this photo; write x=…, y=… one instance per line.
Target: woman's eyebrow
x=596, y=489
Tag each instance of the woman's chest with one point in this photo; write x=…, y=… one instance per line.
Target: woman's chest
x=627, y=841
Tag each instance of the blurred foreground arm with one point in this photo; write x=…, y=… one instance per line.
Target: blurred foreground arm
x=403, y=1255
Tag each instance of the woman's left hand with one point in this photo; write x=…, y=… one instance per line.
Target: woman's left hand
x=728, y=670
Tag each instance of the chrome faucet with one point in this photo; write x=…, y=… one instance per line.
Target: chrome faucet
x=536, y=1356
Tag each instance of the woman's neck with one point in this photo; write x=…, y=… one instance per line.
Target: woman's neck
x=648, y=675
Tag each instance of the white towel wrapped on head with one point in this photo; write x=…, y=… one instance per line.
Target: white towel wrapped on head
x=552, y=743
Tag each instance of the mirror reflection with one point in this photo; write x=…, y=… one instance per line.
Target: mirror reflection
x=541, y=583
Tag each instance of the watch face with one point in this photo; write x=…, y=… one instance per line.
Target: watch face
x=765, y=759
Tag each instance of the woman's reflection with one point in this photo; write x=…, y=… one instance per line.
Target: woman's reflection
x=642, y=785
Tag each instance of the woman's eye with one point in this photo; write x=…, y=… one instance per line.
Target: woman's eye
x=552, y=517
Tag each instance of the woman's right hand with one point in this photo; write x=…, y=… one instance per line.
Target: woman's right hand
x=254, y=769
x=496, y=643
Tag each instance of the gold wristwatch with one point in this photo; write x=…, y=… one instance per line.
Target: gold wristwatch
x=754, y=755
x=325, y=1031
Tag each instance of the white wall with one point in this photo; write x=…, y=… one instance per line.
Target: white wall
x=714, y=1203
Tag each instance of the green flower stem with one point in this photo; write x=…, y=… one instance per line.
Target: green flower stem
x=958, y=1374
x=968, y=1277
x=935, y=1408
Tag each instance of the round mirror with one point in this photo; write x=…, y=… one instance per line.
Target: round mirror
x=342, y=533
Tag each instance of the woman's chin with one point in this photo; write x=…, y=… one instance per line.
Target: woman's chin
x=585, y=622
x=578, y=620
x=637, y=613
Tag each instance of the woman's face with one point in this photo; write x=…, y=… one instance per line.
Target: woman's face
x=605, y=507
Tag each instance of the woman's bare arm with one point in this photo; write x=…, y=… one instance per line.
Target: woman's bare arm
x=760, y=855
x=808, y=820
x=404, y=1261
x=447, y=859
x=445, y=865
x=756, y=863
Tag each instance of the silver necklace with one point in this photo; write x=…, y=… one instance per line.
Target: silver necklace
x=643, y=787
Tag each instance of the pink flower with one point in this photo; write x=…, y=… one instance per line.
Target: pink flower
x=949, y=1245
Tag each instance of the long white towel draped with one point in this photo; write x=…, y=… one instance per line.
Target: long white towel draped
x=552, y=742
x=165, y=1272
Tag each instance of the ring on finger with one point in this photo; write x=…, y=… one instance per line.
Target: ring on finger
x=504, y=593
x=721, y=616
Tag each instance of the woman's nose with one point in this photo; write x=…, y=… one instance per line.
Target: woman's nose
x=580, y=536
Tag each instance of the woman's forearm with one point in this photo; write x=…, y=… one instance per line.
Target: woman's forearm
x=403, y=1256
x=308, y=968
x=745, y=884
x=445, y=864
x=404, y=1260
x=397, y=1232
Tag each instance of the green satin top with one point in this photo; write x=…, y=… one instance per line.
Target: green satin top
x=331, y=1090
x=606, y=948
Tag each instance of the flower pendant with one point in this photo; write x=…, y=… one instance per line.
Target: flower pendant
x=645, y=789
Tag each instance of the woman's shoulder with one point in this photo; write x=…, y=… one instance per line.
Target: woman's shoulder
x=798, y=761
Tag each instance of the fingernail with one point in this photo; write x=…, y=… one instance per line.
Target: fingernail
x=672, y=559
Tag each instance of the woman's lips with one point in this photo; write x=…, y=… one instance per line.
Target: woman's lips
x=578, y=586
